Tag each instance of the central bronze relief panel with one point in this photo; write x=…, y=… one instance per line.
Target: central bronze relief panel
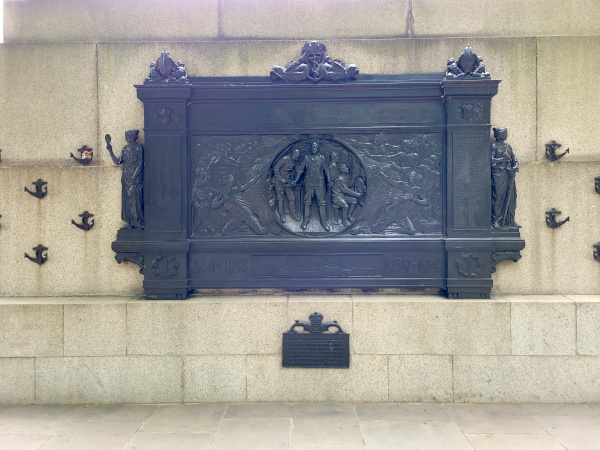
x=382, y=184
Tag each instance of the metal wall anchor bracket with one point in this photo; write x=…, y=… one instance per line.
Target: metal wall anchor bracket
x=85, y=225
x=39, y=193
x=39, y=257
x=551, y=218
x=86, y=155
x=551, y=151
x=597, y=251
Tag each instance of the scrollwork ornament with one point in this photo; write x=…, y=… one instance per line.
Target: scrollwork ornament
x=168, y=268
x=314, y=65
x=468, y=66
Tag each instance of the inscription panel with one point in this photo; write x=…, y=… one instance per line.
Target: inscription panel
x=219, y=116
x=316, y=266
x=316, y=350
x=414, y=265
x=163, y=155
x=470, y=184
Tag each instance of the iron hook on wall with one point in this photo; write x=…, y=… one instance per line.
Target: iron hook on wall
x=551, y=151
x=85, y=225
x=551, y=218
x=40, y=258
x=86, y=155
x=39, y=193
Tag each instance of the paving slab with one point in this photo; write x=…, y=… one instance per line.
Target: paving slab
x=259, y=434
x=409, y=434
x=37, y=419
x=559, y=409
x=259, y=411
x=23, y=441
x=573, y=432
x=179, y=441
x=401, y=411
x=487, y=419
x=185, y=418
x=513, y=442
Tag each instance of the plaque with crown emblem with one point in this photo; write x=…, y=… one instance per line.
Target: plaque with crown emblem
x=318, y=345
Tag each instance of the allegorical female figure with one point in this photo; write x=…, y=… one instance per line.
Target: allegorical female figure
x=132, y=179
x=504, y=191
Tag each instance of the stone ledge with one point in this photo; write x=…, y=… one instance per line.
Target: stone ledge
x=409, y=348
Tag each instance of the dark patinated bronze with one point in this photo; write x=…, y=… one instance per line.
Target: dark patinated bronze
x=40, y=258
x=597, y=184
x=315, y=348
x=165, y=70
x=314, y=66
x=504, y=191
x=468, y=65
x=551, y=151
x=377, y=181
x=551, y=218
x=597, y=251
x=85, y=225
x=132, y=179
x=86, y=155
x=41, y=190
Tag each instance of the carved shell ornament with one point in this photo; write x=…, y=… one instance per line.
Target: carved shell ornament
x=468, y=65
x=315, y=66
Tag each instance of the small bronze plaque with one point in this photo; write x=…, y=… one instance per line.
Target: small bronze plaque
x=315, y=348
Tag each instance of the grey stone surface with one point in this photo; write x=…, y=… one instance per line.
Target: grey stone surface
x=18, y=381
x=580, y=433
x=513, y=441
x=428, y=325
x=386, y=434
x=109, y=20
x=259, y=411
x=489, y=419
x=588, y=324
x=36, y=419
x=490, y=18
x=207, y=326
x=214, y=378
x=96, y=326
x=72, y=253
x=185, y=418
x=326, y=425
x=313, y=19
x=267, y=434
x=401, y=411
x=31, y=330
x=366, y=380
x=23, y=442
x=568, y=99
x=526, y=379
x=558, y=409
x=101, y=427
x=420, y=378
x=111, y=379
x=550, y=253
x=180, y=441
x=543, y=325
x=49, y=102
